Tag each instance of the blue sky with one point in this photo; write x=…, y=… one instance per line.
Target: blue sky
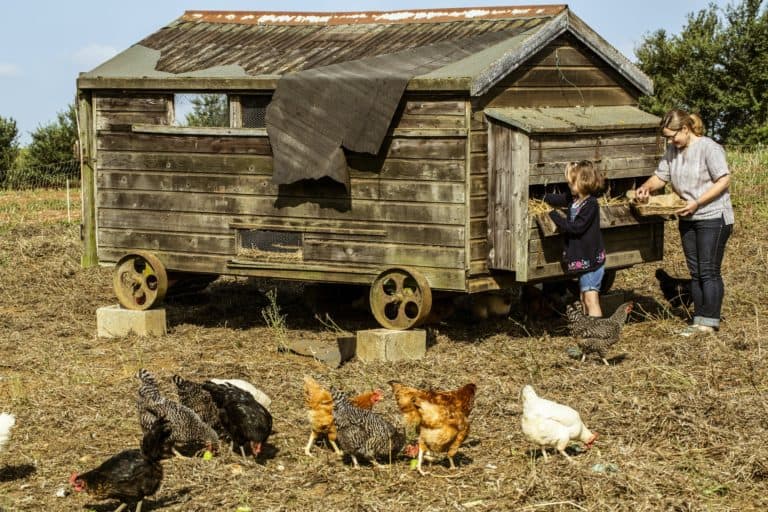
x=44, y=44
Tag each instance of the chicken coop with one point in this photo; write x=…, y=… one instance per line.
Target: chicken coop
x=396, y=150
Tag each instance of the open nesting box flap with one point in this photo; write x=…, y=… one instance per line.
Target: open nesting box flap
x=574, y=119
x=611, y=216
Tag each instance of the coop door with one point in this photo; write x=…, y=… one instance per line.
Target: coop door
x=508, y=167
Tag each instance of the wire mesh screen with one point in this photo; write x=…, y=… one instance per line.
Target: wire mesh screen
x=270, y=245
x=254, y=109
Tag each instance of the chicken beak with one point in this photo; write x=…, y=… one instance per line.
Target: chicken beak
x=591, y=440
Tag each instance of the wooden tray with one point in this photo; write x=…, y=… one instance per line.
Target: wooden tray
x=662, y=204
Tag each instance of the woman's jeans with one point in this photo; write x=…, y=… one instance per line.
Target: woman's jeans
x=704, y=246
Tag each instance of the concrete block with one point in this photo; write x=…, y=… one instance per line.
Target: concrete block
x=389, y=345
x=610, y=302
x=331, y=354
x=114, y=321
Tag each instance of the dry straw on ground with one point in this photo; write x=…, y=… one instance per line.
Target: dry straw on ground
x=683, y=422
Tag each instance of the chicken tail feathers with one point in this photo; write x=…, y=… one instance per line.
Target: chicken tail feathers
x=7, y=421
x=153, y=442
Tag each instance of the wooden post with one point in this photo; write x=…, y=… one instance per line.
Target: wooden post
x=89, y=257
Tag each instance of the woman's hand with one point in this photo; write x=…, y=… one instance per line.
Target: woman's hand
x=689, y=209
x=642, y=194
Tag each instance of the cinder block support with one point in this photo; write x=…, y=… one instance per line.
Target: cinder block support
x=389, y=345
x=114, y=321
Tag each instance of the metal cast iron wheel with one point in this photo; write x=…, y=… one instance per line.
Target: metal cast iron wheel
x=140, y=280
x=400, y=298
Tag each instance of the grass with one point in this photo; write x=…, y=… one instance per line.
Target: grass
x=682, y=420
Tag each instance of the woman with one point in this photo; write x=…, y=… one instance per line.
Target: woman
x=698, y=171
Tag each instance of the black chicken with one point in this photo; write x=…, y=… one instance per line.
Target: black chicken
x=677, y=291
x=247, y=422
x=130, y=475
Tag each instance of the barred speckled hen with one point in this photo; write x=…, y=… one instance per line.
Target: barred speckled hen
x=247, y=422
x=130, y=475
x=363, y=433
x=595, y=334
x=196, y=397
x=189, y=434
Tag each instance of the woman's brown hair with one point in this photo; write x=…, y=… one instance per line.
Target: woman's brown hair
x=676, y=119
x=585, y=176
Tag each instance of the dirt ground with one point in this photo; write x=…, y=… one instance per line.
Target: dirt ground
x=682, y=422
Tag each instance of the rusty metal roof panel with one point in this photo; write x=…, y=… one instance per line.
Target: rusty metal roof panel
x=260, y=46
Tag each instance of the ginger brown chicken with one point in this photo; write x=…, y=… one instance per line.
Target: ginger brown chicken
x=441, y=418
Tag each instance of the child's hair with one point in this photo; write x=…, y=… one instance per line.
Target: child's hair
x=585, y=176
x=676, y=119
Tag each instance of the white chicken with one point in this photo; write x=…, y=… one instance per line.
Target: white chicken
x=7, y=421
x=257, y=394
x=548, y=423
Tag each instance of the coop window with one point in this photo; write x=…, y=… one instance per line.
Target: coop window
x=201, y=109
x=270, y=245
x=254, y=110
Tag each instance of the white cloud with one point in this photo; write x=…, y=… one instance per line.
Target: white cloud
x=94, y=54
x=7, y=70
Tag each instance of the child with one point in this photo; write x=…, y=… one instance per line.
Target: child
x=584, y=251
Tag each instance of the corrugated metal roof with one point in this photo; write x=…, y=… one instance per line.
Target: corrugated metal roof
x=374, y=17
x=574, y=119
x=261, y=46
x=275, y=49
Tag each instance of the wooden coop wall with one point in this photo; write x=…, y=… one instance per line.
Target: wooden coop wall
x=193, y=197
x=564, y=74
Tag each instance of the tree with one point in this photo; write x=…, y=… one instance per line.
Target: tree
x=9, y=145
x=715, y=67
x=51, y=149
x=209, y=110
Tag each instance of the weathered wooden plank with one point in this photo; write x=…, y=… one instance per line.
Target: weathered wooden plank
x=478, y=206
x=385, y=254
x=479, y=163
x=204, y=131
x=596, y=152
x=478, y=228
x=161, y=143
x=171, y=242
x=479, y=142
x=361, y=188
x=438, y=278
x=445, y=108
x=614, y=260
x=561, y=53
x=478, y=250
x=430, y=121
x=518, y=202
x=574, y=76
x=559, y=97
x=214, y=164
x=478, y=185
x=85, y=134
x=112, y=120
x=437, y=213
x=422, y=133
x=413, y=234
x=427, y=149
x=223, y=224
x=478, y=123
x=129, y=103
x=434, y=170
x=592, y=139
